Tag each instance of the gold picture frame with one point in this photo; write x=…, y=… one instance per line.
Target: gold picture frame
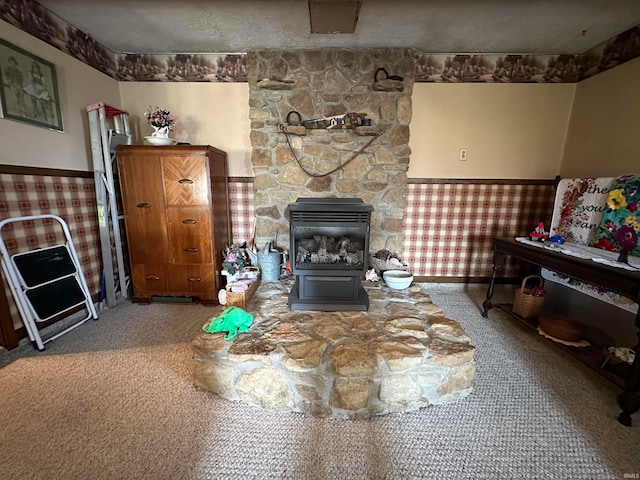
x=28, y=88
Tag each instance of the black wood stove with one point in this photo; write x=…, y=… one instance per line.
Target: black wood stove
x=329, y=239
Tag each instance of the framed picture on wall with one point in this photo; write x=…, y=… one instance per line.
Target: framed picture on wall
x=28, y=88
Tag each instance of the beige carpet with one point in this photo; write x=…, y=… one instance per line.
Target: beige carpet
x=114, y=399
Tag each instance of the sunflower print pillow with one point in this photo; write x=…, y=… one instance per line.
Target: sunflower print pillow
x=620, y=223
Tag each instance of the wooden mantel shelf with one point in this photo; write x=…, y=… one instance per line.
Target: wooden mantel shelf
x=362, y=131
x=276, y=84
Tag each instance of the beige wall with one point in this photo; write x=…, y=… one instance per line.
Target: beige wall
x=79, y=85
x=214, y=114
x=510, y=130
x=604, y=131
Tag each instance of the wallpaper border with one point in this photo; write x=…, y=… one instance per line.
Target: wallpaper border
x=36, y=20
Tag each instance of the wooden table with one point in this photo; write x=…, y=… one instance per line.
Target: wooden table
x=618, y=280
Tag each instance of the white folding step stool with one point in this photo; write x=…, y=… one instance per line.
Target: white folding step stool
x=46, y=282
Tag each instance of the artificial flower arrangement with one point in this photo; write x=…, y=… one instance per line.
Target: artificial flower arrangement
x=159, y=117
x=627, y=239
x=235, y=258
x=538, y=291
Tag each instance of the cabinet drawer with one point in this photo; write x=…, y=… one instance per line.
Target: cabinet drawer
x=174, y=280
x=189, y=220
x=186, y=180
x=191, y=249
x=190, y=237
x=196, y=280
x=148, y=279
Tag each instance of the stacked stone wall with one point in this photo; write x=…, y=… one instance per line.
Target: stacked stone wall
x=318, y=84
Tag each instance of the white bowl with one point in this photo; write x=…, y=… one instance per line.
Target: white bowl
x=159, y=141
x=397, y=279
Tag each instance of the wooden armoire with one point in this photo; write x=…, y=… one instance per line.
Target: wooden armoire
x=177, y=219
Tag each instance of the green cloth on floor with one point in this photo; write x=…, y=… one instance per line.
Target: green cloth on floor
x=232, y=320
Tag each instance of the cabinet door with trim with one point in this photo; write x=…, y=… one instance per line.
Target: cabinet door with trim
x=144, y=208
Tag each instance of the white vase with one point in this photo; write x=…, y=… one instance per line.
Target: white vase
x=160, y=132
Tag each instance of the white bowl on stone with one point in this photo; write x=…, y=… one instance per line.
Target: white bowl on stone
x=397, y=279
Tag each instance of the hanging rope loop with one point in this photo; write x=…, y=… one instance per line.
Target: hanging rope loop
x=339, y=167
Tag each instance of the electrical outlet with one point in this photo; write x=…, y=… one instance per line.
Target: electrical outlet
x=464, y=155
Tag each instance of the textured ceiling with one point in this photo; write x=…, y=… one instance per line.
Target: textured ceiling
x=429, y=26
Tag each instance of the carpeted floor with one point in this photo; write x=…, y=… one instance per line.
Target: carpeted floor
x=115, y=399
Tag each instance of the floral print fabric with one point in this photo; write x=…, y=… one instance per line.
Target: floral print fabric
x=620, y=223
x=578, y=208
x=581, y=208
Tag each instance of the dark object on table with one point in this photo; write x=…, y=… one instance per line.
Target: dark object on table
x=624, y=256
x=557, y=239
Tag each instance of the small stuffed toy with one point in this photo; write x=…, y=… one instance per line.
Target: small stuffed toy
x=232, y=320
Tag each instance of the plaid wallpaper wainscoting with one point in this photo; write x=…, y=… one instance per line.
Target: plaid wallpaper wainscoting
x=72, y=198
x=448, y=224
x=448, y=227
x=242, y=211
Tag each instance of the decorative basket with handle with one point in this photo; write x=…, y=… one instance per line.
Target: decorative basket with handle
x=526, y=304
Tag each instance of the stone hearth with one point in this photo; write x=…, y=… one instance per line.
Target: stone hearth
x=401, y=355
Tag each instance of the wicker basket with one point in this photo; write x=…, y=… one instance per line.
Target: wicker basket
x=240, y=299
x=525, y=303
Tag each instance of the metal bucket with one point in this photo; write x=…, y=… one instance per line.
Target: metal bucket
x=269, y=263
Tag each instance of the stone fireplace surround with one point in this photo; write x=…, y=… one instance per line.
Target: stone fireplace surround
x=402, y=354
x=316, y=84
